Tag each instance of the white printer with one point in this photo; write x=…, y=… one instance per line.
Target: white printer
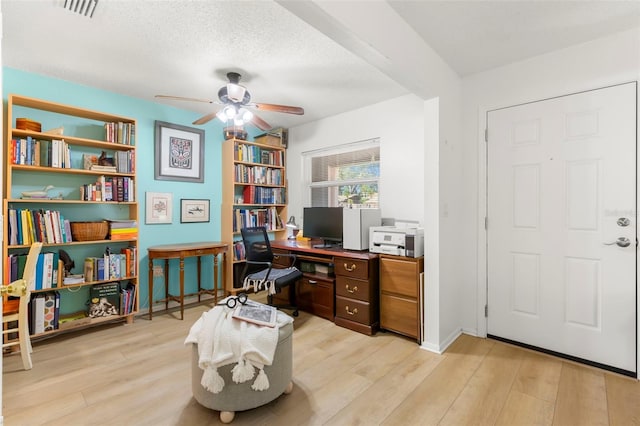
x=397, y=240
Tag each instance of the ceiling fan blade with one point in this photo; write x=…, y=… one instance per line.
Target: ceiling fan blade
x=206, y=118
x=280, y=108
x=181, y=98
x=260, y=123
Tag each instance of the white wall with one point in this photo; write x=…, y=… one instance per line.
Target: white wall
x=611, y=60
x=399, y=125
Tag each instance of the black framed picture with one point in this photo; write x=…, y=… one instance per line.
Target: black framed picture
x=179, y=153
x=192, y=211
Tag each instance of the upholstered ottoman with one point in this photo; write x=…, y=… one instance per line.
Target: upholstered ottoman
x=239, y=396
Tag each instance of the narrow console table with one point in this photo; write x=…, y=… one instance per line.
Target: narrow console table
x=339, y=285
x=180, y=251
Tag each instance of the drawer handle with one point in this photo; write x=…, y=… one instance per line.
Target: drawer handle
x=313, y=282
x=355, y=288
x=354, y=312
x=350, y=269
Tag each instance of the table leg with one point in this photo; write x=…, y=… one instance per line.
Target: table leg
x=199, y=278
x=224, y=274
x=150, y=287
x=215, y=279
x=166, y=284
x=181, y=287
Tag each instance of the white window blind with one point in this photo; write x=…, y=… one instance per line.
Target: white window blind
x=344, y=176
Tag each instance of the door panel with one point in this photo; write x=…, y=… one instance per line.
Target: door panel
x=561, y=173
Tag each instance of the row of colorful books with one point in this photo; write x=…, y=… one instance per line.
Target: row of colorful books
x=33, y=152
x=255, y=154
x=263, y=195
x=47, y=267
x=120, y=132
x=109, y=188
x=38, y=225
x=246, y=218
x=112, y=265
x=258, y=175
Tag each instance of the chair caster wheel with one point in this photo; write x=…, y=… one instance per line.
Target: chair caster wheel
x=295, y=313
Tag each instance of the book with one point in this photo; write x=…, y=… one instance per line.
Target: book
x=89, y=269
x=38, y=313
x=50, y=311
x=100, y=168
x=256, y=313
x=104, y=300
x=73, y=279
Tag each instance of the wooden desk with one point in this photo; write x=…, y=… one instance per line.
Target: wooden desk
x=348, y=296
x=180, y=251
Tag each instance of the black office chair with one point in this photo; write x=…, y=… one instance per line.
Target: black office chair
x=258, y=272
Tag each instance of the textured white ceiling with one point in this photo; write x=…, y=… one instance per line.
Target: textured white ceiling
x=184, y=48
x=475, y=36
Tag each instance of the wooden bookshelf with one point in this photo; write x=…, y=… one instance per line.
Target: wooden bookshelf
x=26, y=172
x=251, y=168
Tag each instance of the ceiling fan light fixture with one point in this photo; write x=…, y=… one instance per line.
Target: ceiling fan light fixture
x=235, y=92
x=245, y=114
x=222, y=116
x=229, y=111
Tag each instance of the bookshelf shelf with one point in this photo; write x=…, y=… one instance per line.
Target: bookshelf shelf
x=252, y=172
x=91, y=133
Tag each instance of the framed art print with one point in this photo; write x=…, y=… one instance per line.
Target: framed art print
x=158, y=207
x=179, y=153
x=192, y=211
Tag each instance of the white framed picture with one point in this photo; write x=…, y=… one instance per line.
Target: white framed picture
x=158, y=207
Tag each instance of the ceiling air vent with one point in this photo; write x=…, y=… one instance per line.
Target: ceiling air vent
x=81, y=7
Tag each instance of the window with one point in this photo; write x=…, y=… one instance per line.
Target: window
x=343, y=176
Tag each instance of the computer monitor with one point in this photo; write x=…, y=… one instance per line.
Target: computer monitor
x=323, y=223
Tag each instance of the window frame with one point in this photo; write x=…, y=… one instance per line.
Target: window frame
x=307, y=172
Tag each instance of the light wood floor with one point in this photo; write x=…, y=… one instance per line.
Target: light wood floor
x=139, y=374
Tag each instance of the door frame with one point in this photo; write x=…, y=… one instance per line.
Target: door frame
x=482, y=267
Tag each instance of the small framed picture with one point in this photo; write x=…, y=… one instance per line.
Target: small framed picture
x=193, y=211
x=158, y=208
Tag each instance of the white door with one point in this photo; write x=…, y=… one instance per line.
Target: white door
x=561, y=193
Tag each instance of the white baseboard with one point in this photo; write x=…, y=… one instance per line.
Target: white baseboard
x=440, y=348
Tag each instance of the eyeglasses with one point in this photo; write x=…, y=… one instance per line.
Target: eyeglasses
x=232, y=301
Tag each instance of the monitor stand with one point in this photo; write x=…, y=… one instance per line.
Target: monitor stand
x=327, y=245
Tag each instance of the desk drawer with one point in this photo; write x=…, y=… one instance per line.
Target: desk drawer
x=316, y=296
x=281, y=261
x=399, y=314
x=353, y=288
x=354, y=310
x=354, y=268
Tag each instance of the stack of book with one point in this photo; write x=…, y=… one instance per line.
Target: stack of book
x=123, y=229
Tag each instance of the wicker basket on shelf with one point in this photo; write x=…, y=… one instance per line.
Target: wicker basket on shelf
x=89, y=231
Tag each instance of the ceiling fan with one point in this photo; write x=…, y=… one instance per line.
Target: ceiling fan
x=235, y=99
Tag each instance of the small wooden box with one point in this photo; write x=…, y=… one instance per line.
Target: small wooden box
x=270, y=140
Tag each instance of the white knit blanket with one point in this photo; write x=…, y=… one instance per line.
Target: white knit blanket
x=224, y=340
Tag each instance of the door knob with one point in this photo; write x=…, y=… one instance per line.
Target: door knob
x=621, y=242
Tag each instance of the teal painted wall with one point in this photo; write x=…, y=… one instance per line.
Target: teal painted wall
x=19, y=82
